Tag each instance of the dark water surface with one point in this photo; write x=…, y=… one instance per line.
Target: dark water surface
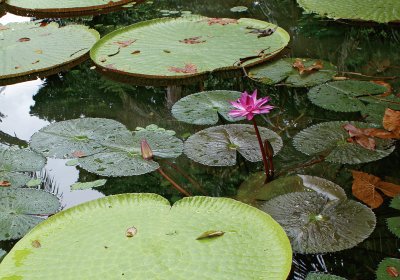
x=82, y=92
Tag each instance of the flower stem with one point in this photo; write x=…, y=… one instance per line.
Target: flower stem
x=264, y=157
x=174, y=184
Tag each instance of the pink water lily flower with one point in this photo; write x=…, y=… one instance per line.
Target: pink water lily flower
x=248, y=106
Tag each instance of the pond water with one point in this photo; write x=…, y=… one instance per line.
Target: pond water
x=82, y=92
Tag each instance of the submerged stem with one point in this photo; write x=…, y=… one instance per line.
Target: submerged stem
x=264, y=157
x=174, y=184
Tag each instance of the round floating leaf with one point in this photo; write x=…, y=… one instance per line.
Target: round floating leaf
x=394, y=222
x=15, y=161
x=382, y=11
x=169, y=50
x=162, y=241
x=77, y=138
x=254, y=187
x=203, y=107
x=283, y=71
x=239, y=9
x=388, y=269
x=316, y=224
x=330, y=140
x=19, y=210
x=375, y=108
x=322, y=276
x=218, y=145
x=345, y=96
x=88, y=185
x=54, y=8
x=30, y=49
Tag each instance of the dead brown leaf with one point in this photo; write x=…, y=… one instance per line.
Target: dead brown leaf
x=189, y=68
x=5, y=184
x=78, y=154
x=388, y=87
x=391, y=121
x=221, y=21
x=298, y=64
x=358, y=136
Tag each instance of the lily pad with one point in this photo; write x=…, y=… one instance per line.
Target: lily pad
x=180, y=50
x=316, y=224
x=218, y=145
x=204, y=107
x=329, y=139
x=239, y=9
x=388, y=269
x=88, y=185
x=345, y=96
x=382, y=11
x=283, y=71
x=322, y=276
x=2, y=254
x=13, y=162
x=22, y=209
x=31, y=49
x=254, y=187
x=374, y=110
x=394, y=222
x=93, y=240
x=60, y=9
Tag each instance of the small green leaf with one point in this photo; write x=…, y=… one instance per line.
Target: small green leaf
x=88, y=185
x=210, y=234
x=34, y=183
x=72, y=162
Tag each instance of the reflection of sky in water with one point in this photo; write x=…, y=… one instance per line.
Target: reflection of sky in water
x=7, y=18
x=15, y=103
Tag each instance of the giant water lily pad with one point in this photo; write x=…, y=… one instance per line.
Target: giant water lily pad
x=204, y=107
x=283, y=71
x=31, y=49
x=394, y=222
x=329, y=139
x=316, y=224
x=254, y=188
x=13, y=162
x=388, y=269
x=54, y=8
x=382, y=11
x=346, y=96
x=170, y=50
x=22, y=209
x=105, y=147
x=219, y=145
x=140, y=236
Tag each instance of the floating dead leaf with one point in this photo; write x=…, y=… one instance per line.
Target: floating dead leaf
x=37, y=61
x=189, y=68
x=131, y=232
x=193, y=40
x=262, y=32
x=365, y=185
x=388, y=87
x=298, y=64
x=78, y=154
x=36, y=244
x=210, y=234
x=24, y=39
x=124, y=44
x=38, y=51
x=340, y=78
x=392, y=271
x=357, y=135
x=391, y=121
x=2, y=27
x=221, y=21
x=135, y=52
x=5, y=184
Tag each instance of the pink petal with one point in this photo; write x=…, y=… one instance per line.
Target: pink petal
x=237, y=113
x=237, y=105
x=250, y=116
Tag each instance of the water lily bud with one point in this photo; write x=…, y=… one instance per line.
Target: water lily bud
x=147, y=153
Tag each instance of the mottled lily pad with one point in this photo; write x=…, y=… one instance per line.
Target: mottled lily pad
x=382, y=11
x=22, y=209
x=31, y=49
x=394, y=222
x=179, y=50
x=283, y=71
x=388, y=269
x=316, y=224
x=219, y=145
x=329, y=139
x=204, y=107
x=322, y=276
x=92, y=239
x=60, y=9
x=345, y=96
x=254, y=188
x=13, y=162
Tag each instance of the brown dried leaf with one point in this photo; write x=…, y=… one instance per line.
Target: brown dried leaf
x=357, y=135
x=363, y=188
x=388, y=189
x=392, y=271
x=298, y=64
x=221, y=21
x=193, y=40
x=388, y=87
x=210, y=234
x=391, y=121
x=78, y=154
x=124, y=44
x=135, y=52
x=36, y=244
x=5, y=184
x=189, y=68
x=24, y=39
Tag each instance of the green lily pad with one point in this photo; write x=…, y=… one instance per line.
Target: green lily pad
x=316, y=224
x=34, y=182
x=60, y=9
x=345, y=96
x=13, y=162
x=204, y=107
x=22, y=209
x=394, y=222
x=239, y=9
x=322, y=276
x=31, y=50
x=88, y=185
x=329, y=139
x=2, y=254
x=94, y=241
x=385, y=265
x=254, y=187
x=382, y=11
x=179, y=50
x=374, y=110
x=218, y=145
x=283, y=71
